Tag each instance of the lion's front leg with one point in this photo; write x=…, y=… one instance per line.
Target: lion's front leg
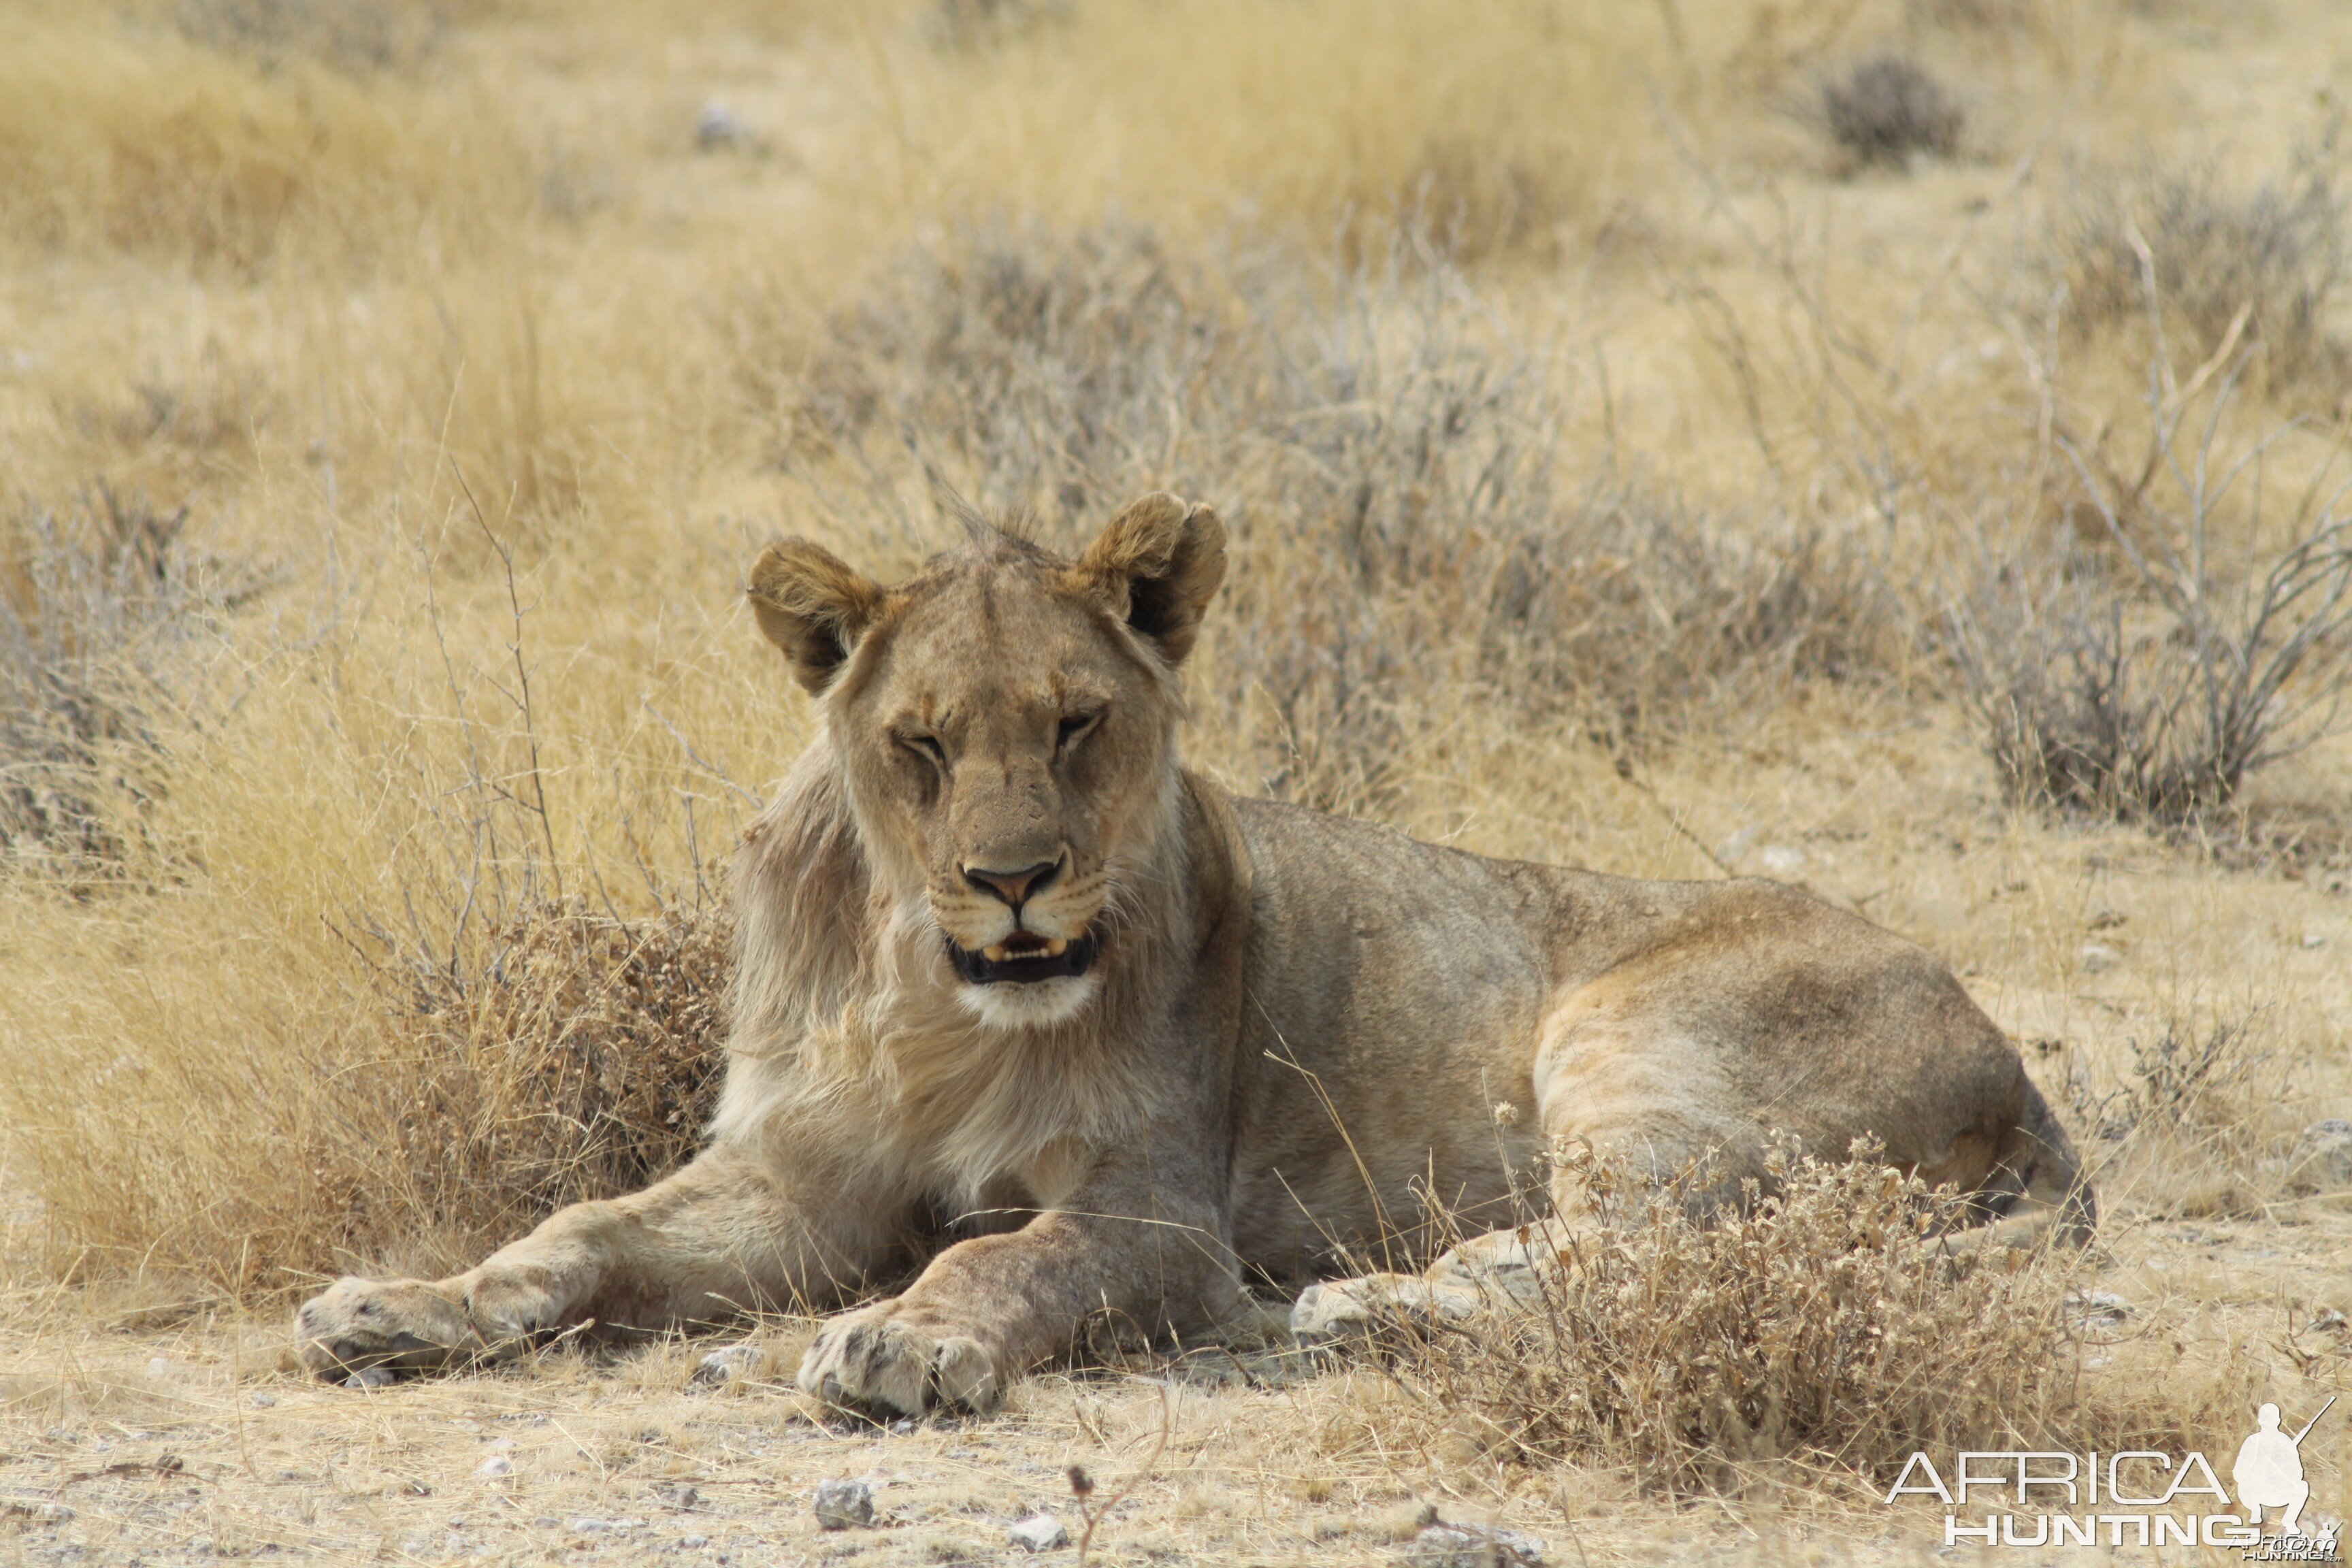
x=990, y=1309
x=722, y=1237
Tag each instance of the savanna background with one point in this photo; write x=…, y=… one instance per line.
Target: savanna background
x=1894, y=446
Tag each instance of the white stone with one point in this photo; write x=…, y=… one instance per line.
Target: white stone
x=494, y=1467
x=2097, y=957
x=1038, y=1533
x=842, y=1504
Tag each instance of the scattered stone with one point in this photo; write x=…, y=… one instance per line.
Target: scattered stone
x=2322, y=1160
x=263, y=1401
x=2313, y=941
x=1780, y=859
x=844, y=1504
x=588, y=1525
x=371, y=1377
x=496, y=1466
x=2098, y=1308
x=1443, y=1545
x=1038, y=1533
x=159, y=1367
x=718, y=127
x=721, y=1367
x=693, y=1542
x=904, y=1425
x=2097, y=957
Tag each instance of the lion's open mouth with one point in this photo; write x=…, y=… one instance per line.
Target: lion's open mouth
x=1025, y=955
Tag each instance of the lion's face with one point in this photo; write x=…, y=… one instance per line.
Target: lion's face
x=1006, y=724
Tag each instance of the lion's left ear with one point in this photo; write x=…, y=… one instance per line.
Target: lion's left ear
x=1156, y=566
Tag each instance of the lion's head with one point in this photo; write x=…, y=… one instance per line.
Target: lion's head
x=1005, y=726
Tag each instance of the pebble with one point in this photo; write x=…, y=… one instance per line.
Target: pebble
x=591, y=1526
x=370, y=1377
x=1445, y=1546
x=693, y=1542
x=2098, y=957
x=494, y=1467
x=842, y=1504
x=723, y=1366
x=263, y=1401
x=1038, y=1533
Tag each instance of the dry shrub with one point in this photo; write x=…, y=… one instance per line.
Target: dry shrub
x=1821, y=1333
x=350, y=35
x=2182, y=248
x=2148, y=686
x=1391, y=462
x=1885, y=108
x=562, y=1053
x=101, y=609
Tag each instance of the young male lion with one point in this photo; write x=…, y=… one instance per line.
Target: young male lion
x=1002, y=956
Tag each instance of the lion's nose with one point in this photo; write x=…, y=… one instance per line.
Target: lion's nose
x=1012, y=887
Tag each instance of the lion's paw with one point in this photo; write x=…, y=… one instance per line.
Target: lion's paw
x=395, y=1325
x=1376, y=1305
x=877, y=1359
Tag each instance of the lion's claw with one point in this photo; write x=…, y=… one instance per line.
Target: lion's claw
x=873, y=1360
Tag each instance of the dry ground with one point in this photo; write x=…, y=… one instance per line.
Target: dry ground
x=494, y=337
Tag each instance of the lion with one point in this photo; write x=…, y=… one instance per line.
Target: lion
x=1037, y=1024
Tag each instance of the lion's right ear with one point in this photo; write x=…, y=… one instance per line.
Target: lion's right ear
x=814, y=606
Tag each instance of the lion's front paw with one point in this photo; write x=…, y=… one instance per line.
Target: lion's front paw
x=879, y=1358
x=1378, y=1305
x=402, y=1325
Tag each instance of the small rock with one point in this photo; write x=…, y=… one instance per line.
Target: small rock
x=2097, y=1306
x=1780, y=859
x=370, y=1377
x=494, y=1467
x=842, y=1504
x=591, y=1526
x=2313, y=941
x=40, y=1512
x=159, y=1367
x=721, y=1367
x=904, y=1425
x=693, y=1542
x=2097, y=957
x=1443, y=1545
x=263, y=1401
x=718, y=126
x=1038, y=1533
x=2322, y=1160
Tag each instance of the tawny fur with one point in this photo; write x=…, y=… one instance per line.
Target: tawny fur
x=1299, y=1033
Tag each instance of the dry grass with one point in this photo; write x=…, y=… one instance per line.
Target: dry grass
x=1599, y=468
x=1814, y=1340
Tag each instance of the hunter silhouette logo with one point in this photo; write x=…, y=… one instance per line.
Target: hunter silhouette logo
x=2269, y=1471
x=2133, y=1497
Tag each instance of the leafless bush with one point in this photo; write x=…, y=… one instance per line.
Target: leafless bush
x=1388, y=458
x=1819, y=1330
x=1884, y=108
x=2152, y=700
x=2179, y=246
x=350, y=35
x=2190, y=1075
x=558, y=1054
x=99, y=608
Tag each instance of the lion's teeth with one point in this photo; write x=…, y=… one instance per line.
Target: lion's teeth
x=994, y=954
x=1056, y=947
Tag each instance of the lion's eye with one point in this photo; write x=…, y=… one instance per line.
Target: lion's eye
x=1071, y=729
x=927, y=747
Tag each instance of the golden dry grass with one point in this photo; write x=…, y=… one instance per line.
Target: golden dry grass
x=477, y=359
